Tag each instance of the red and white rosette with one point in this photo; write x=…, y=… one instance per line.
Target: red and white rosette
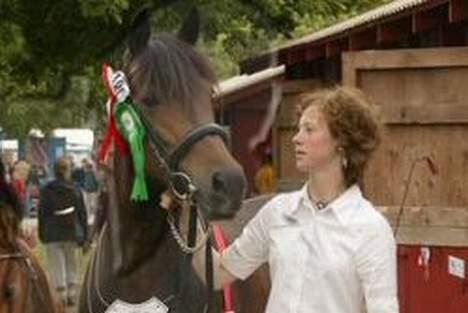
x=112, y=133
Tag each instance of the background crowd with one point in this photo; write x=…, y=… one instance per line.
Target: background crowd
x=57, y=208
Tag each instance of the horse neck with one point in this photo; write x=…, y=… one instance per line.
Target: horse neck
x=137, y=230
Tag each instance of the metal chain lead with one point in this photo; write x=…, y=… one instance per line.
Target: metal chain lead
x=181, y=242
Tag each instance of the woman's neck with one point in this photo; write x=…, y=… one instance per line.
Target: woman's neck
x=325, y=186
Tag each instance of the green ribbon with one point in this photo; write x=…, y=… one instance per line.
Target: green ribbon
x=132, y=129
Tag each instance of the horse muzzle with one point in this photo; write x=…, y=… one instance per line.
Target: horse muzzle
x=224, y=196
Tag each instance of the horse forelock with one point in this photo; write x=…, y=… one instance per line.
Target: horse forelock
x=169, y=71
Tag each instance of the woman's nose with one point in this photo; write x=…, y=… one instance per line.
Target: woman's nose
x=295, y=138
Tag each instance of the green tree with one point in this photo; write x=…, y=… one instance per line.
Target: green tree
x=50, y=51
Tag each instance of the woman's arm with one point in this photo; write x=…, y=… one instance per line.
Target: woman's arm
x=241, y=258
x=221, y=275
x=376, y=266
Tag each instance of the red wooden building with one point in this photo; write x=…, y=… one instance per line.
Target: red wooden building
x=411, y=58
x=247, y=101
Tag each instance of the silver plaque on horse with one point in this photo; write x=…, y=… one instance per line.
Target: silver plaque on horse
x=152, y=305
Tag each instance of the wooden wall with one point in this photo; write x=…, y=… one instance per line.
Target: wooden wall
x=423, y=99
x=245, y=118
x=422, y=95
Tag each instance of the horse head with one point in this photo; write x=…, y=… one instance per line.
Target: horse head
x=172, y=85
x=172, y=89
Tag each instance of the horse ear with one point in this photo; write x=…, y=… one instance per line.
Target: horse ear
x=191, y=27
x=140, y=32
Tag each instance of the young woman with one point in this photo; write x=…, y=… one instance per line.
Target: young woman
x=328, y=249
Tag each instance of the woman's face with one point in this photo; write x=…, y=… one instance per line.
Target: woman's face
x=315, y=148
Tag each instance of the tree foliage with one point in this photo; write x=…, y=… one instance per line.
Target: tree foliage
x=50, y=51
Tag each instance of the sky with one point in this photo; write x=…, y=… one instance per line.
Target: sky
x=74, y=137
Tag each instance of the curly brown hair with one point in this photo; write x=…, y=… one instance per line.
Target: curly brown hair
x=353, y=122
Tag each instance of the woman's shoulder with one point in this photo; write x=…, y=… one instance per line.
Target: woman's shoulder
x=285, y=199
x=280, y=205
x=371, y=221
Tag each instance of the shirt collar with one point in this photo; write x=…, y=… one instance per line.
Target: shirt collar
x=345, y=205
x=342, y=207
x=300, y=199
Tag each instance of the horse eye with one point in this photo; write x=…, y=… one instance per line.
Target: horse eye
x=9, y=291
x=150, y=101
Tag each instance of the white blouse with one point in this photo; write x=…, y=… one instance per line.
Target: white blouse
x=340, y=259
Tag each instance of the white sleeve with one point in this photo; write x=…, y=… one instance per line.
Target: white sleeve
x=376, y=266
x=250, y=249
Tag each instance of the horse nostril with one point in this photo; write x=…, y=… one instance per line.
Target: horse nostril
x=230, y=183
x=219, y=183
x=228, y=186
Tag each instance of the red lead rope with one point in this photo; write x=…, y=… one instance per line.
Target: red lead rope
x=221, y=244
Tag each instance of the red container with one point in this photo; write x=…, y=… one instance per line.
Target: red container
x=425, y=285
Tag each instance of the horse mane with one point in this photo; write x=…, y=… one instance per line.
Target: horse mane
x=9, y=227
x=167, y=70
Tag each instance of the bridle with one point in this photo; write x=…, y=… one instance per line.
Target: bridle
x=183, y=188
x=169, y=159
x=180, y=182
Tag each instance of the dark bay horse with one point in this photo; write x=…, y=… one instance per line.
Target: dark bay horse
x=24, y=287
x=139, y=255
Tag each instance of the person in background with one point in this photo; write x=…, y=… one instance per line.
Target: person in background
x=329, y=249
x=33, y=186
x=90, y=189
x=19, y=178
x=78, y=174
x=63, y=228
x=265, y=178
x=11, y=212
x=12, y=222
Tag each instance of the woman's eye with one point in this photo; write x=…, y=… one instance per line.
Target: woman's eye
x=306, y=129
